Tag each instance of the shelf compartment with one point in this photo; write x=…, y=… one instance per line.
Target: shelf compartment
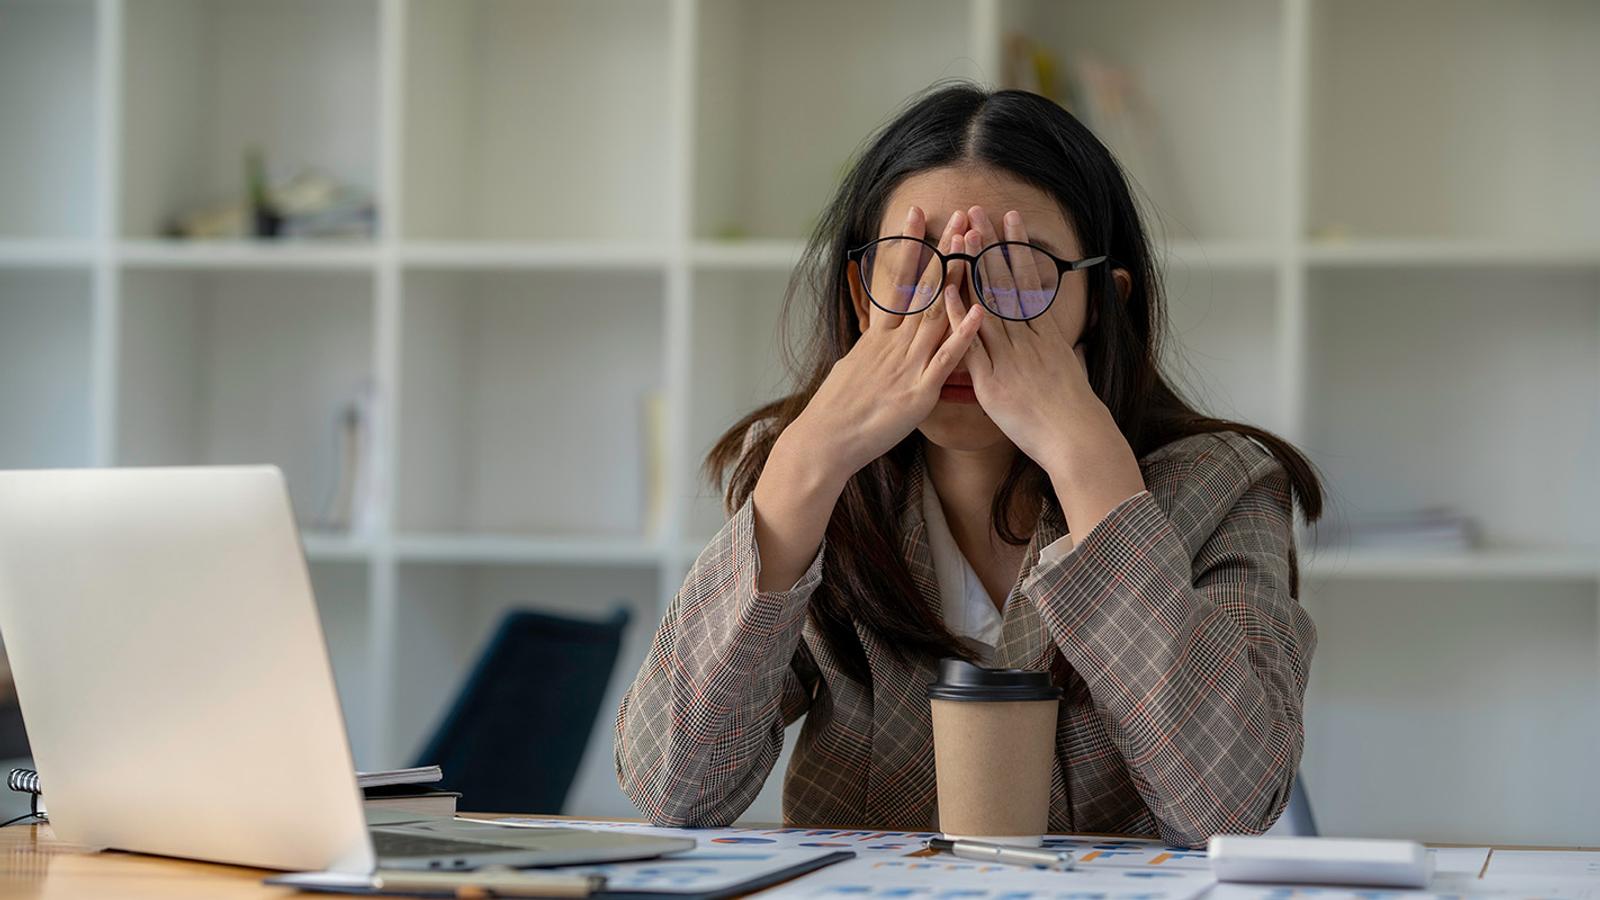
x=1207, y=166
x=49, y=66
x=529, y=121
x=1222, y=346
x=502, y=432
x=244, y=367
x=735, y=364
x=445, y=615
x=1457, y=678
x=45, y=368
x=342, y=592
x=1472, y=387
x=206, y=80
x=1437, y=118
x=774, y=130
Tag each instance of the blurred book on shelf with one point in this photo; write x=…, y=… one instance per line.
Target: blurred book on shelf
x=350, y=503
x=1432, y=529
x=653, y=411
x=1107, y=98
x=307, y=204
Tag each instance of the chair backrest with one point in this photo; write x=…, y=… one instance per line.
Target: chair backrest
x=515, y=734
x=1298, y=811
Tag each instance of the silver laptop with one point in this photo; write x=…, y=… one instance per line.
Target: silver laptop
x=177, y=692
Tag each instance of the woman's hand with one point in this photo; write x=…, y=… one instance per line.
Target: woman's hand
x=1031, y=379
x=889, y=381
x=872, y=398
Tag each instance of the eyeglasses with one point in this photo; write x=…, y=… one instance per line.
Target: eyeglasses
x=1012, y=279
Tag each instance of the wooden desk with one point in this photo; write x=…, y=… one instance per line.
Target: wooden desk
x=34, y=864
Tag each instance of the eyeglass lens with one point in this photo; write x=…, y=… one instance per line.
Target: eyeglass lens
x=1013, y=281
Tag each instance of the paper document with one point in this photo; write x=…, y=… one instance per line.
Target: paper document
x=945, y=877
x=705, y=869
x=1459, y=860
x=1129, y=853
x=1451, y=886
x=1563, y=863
x=1090, y=851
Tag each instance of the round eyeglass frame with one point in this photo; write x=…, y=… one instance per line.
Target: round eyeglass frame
x=1063, y=266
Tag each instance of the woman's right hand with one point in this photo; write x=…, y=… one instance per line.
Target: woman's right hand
x=873, y=397
x=889, y=382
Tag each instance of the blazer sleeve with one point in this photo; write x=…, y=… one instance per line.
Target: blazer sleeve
x=698, y=731
x=1199, y=663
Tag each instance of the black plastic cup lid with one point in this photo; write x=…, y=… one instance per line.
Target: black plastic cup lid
x=961, y=680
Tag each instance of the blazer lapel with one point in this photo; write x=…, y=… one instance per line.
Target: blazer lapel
x=1023, y=641
x=901, y=788
x=914, y=544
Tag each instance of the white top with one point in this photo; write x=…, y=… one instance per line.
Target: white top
x=969, y=612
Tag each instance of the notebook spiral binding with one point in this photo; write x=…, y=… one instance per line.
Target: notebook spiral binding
x=24, y=781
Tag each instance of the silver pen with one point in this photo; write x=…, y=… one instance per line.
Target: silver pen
x=982, y=851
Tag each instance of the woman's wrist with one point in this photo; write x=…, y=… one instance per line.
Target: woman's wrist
x=808, y=465
x=819, y=454
x=1092, y=476
x=792, y=503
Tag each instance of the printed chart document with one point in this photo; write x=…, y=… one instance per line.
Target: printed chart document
x=1107, y=869
x=947, y=877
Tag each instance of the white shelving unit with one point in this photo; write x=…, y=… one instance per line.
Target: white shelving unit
x=1381, y=237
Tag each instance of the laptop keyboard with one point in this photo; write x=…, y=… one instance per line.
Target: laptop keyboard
x=388, y=843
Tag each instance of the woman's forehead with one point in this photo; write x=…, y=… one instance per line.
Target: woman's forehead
x=940, y=192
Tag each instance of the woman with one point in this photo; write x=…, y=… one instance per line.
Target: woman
x=984, y=461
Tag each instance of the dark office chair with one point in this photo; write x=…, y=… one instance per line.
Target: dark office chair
x=1298, y=813
x=514, y=736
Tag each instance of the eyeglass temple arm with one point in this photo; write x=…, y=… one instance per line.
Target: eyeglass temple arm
x=1082, y=263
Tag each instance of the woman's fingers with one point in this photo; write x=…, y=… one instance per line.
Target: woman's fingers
x=926, y=301
x=1035, y=285
x=955, y=347
x=996, y=338
x=921, y=273
x=956, y=307
x=999, y=284
x=932, y=328
x=895, y=266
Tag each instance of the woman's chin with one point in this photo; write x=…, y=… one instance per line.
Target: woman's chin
x=960, y=426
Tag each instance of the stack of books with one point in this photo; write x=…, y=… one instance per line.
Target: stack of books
x=408, y=791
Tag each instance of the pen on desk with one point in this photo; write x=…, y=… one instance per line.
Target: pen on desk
x=493, y=881
x=980, y=851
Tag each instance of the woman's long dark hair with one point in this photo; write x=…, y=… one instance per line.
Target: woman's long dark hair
x=1035, y=140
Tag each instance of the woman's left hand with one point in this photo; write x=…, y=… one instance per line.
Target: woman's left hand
x=1031, y=378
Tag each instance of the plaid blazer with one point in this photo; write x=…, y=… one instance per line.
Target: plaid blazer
x=1173, y=628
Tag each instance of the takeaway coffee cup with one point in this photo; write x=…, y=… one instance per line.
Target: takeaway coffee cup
x=994, y=736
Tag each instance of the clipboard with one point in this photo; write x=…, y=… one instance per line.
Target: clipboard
x=463, y=884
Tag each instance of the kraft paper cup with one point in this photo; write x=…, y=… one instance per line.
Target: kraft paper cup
x=994, y=733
